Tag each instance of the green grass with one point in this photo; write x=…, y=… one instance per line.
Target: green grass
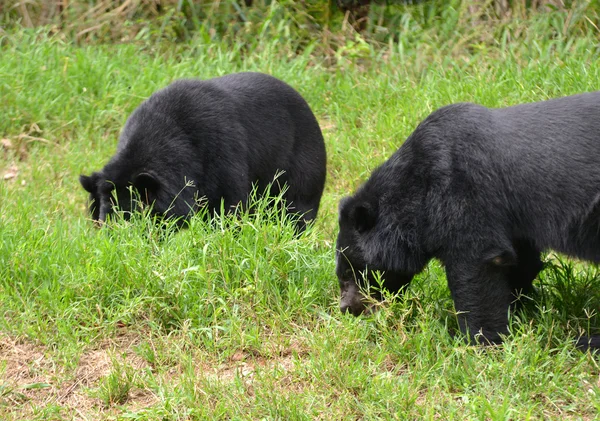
x=239, y=320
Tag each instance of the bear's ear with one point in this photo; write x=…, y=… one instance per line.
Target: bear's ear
x=147, y=185
x=344, y=203
x=364, y=218
x=87, y=182
x=344, y=208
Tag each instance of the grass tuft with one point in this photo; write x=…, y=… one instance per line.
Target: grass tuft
x=114, y=388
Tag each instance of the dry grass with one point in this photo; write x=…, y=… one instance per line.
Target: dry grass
x=130, y=20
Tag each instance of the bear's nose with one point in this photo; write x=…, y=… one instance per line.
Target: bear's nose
x=355, y=310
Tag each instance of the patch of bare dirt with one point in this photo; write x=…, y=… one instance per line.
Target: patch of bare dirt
x=29, y=378
x=244, y=364
x=25, y=371
x=25, y=363
x=240, y=365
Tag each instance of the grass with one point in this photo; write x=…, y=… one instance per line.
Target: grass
x=239, y=320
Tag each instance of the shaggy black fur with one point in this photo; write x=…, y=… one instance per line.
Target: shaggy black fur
x=222, y=135
x=484, y=191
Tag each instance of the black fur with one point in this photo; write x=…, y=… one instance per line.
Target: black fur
x=484, y=191
x=222, y=135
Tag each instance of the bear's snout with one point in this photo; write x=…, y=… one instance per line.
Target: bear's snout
x=355, y=310
x=351, y=300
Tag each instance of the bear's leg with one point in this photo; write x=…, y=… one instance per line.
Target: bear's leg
x=528, y=267
x=302, y=207
x=482, y=294
x=296, y=205
x=303, y=214
x=306, y=181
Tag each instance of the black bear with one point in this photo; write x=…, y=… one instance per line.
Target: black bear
x=213, y=140
x=484, y=191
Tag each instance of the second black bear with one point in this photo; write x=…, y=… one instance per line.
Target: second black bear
x=214, y=139
x=484, y=191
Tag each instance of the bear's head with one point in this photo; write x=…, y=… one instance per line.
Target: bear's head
x=371, y=240
x=106, y=193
